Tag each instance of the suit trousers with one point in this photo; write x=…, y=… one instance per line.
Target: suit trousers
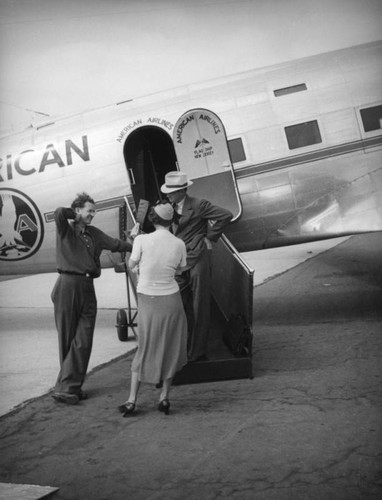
x=195, y=286
x=75, y=311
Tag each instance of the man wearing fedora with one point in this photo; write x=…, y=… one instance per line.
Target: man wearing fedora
x=198, y=223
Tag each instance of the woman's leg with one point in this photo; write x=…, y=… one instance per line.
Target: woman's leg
x=164, y=403
x=134, y=387
x=128, y=408
x=165, y=389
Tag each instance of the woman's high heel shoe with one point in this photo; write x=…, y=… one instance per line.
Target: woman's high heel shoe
x=164, y=406
x=127, y=409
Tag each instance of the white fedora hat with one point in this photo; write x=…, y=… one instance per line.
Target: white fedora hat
x=174, y=181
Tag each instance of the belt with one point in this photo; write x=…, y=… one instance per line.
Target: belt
x=74, y=273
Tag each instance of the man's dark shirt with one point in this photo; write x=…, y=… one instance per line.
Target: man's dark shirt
x=79, y=252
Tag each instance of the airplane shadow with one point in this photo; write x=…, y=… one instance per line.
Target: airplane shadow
x=323, y=313
x=344, y=283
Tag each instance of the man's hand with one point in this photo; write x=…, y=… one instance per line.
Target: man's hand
x=130, y=235
x=135, y=231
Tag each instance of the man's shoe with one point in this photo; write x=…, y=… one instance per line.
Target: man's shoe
x=65, y=397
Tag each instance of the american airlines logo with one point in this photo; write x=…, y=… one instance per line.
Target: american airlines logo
x=21, y=227
x=201, y=143
x=202, y=149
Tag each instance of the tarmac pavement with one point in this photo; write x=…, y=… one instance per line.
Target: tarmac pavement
x=29, y=361
x=28, y=338
x=306, y=426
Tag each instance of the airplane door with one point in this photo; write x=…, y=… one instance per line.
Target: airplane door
x=202, y=152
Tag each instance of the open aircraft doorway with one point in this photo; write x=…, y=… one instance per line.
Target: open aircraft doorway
x=149, y=154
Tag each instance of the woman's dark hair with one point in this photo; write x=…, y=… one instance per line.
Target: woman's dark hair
x=154, y=218
x=80, y=200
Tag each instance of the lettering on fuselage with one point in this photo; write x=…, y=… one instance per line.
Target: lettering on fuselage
x=30, y=161
x=21, y=226
x=152, y=120
x=159, y=121
x=128, y=128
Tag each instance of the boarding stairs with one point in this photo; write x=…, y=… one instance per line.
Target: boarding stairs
x=231, y=332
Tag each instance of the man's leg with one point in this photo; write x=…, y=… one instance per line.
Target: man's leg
x=76, y=321
x=64, y=315
x=183, y=281
x=200, y=281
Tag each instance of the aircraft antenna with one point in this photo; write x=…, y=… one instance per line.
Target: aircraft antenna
x=25, y=109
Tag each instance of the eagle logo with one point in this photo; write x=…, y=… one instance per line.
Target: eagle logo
x=199, y=142
x=21, y=227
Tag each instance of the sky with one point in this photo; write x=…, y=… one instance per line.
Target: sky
x=64, y=56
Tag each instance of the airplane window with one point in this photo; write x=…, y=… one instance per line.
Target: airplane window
x=290, y=90
x=303, y=134
x=372, y=118
x=236, y=150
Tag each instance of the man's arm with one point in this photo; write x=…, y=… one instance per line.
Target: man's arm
x=217, y=217
x=116, y=245
x=61, y=217
x=106, y=242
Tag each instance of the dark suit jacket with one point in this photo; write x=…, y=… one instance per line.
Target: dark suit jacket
x=200, y=219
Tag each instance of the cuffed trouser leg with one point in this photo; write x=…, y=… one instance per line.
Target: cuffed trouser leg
x=200, y=283
x=75, y=309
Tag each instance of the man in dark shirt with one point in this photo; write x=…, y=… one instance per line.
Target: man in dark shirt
x=78, y=250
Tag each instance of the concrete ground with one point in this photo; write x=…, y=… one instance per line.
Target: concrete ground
x=307, y=426
x=29, y=348
x=28, y=339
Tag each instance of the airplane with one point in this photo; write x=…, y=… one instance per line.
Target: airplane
x=293, y=150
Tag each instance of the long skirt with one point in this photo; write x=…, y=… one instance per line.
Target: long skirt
x=162, y=337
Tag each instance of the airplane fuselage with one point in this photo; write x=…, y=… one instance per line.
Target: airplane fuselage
x=293, y=150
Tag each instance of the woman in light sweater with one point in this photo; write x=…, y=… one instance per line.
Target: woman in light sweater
x=162, y=324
